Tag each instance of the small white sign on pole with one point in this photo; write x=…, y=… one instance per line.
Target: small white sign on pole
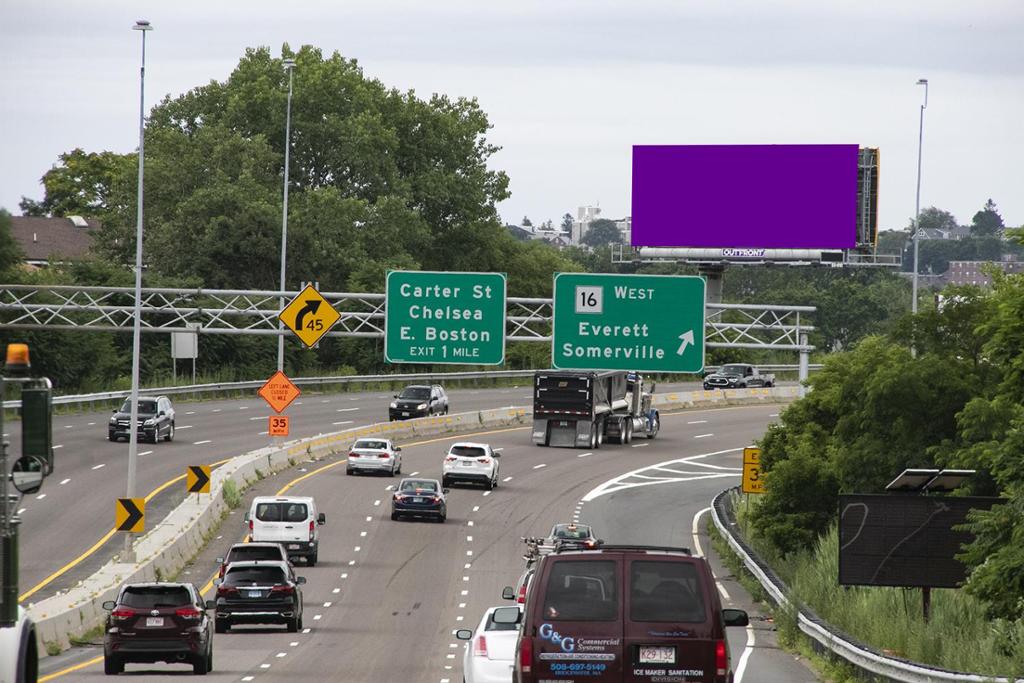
x=185, y=345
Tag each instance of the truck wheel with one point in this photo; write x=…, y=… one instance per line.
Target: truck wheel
x=655, y=425
x=598, y=436
x=629, y=431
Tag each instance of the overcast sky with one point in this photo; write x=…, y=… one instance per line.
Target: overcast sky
x=569, y=85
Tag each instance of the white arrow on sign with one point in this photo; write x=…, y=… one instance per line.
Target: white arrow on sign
x=687, y=338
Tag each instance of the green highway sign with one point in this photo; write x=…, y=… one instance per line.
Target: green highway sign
x=445, y=318
x=628, y=322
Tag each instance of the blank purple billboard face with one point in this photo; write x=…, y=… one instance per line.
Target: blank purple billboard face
x=754, y=196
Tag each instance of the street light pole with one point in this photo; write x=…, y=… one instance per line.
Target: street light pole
x=133, y=430
x=290, y=65
x=917, y=203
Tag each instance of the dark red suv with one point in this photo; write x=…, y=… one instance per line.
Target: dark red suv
x=624, y=614
x=158, y=622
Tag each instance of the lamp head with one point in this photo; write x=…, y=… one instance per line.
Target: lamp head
x=142, y=25
x=922, y=81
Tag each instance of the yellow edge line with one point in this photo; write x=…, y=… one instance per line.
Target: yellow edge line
x=209, y=584
x=99, y=544
x=76, y=667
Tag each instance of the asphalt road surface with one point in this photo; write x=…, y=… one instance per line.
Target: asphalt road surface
x=385, y=597
x=74, y=511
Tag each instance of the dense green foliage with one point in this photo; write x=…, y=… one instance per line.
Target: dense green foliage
x=602, y=231
x=878, y=409
x=10, y=251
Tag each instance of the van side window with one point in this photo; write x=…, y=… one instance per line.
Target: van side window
x=582, y=591
x=665, y=591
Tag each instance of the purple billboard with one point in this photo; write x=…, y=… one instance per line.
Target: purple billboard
x=745, y=196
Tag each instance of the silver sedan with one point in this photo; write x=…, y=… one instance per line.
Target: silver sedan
x=374, y=455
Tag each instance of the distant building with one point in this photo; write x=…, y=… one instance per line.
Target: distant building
x=46, y=240
x=585, y=215
x=971, y=272
x=625, y=227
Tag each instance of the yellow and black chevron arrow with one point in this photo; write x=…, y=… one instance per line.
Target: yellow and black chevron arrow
x=197, y=479
x=130, y=515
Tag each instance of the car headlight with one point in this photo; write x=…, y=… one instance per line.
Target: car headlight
x=113, y=420
x=394, y=405
x=733, y=380
x=422, y=406
x=149, y=423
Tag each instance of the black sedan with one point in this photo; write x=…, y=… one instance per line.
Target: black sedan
x=259, y=592
x=419, y=498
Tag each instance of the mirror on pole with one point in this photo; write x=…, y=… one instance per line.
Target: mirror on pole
x=27, y=474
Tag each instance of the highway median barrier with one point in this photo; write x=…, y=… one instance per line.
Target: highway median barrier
x=173, y=542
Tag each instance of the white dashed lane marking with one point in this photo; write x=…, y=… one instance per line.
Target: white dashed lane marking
x=641, y=445
x=346, y=410
x=343, y=422
x=537, y=467
x=507, y=479
x=41, y=496
x=102, y=464
x=583, y=455
x=58, y=446
x=243, y=407
x=145, y=452
x=183, y=427
x=64, y=482
x=702, y=436
x=200, y=443
x=696, y=422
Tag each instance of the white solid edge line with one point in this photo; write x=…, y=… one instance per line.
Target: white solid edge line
x=695, y=531
x=747, y=651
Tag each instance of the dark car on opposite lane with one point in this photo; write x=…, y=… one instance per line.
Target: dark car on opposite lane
x=158, y=622
x=419, y=400
x=259, y=593
x=156, y=420
x=419, y=498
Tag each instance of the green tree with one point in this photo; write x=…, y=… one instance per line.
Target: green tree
x=933, y=218
x=987, y=221
x=602, y=231
x=10, y=251
x=526, y=222
x=567, y=222
x=81, y=184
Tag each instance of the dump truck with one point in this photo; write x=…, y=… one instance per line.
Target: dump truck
x=585, y=408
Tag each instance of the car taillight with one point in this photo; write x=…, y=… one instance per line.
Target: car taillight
x=353, y=455
x=226, y=590
x=220, y=574
x=250, y=527
x=188, y=613
x=485, y=461
x=123, y=613
x=480, y=646
x=526, y=654
x=721, y=659
x=521, y=598
x=589, y=544
x=312, y=528
x=287, y=590
x=437, y=499
x=383, y=455
x=450, y=458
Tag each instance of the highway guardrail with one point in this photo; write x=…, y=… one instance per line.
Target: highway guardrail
x=863, y=657
x=228, y=387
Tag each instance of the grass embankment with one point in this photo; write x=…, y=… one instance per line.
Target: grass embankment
x=958, y=636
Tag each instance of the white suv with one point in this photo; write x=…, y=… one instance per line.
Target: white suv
x=470, y=463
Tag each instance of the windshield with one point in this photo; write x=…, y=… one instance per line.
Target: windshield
x=420, y=484
x=153, y=597
x=371, y=445
x=566, y=531
x=144, y=407
x=468, y=451
x=254, y=576
x=249, y=553
x=733, y=369
x=281, y=512
x=415, y=393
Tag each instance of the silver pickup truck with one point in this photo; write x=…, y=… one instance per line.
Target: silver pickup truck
x=738, y=376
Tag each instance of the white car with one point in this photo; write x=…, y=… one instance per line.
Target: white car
x=18, y=658
x=374, y=455
x=490, y=654
x=468, y=462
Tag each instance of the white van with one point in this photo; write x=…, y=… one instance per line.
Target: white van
x=291, y=521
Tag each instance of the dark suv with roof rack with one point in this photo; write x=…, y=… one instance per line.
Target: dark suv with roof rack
x=419, y=400
x=158, y=622
x=155, y=416
x=624, y=614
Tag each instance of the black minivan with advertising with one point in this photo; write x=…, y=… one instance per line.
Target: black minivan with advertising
x=624, y=614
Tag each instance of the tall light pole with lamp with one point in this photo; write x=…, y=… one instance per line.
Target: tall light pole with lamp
x=133, y=432
x=288, y=64
x=917, y=203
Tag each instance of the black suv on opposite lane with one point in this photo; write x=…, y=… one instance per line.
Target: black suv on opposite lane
x=156, y=420
x=158, y=622
x=419, y=400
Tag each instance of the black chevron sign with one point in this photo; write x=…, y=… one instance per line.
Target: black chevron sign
x=197, y=478
x=130, y=514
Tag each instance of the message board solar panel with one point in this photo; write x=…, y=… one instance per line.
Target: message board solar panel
x=903, y=540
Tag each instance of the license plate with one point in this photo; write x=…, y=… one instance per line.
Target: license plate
x=254, y=594
x=405, y=414
x=293, y=546
x=417, y=500
x=657, y=655
x=464, y=463
x=154, y=621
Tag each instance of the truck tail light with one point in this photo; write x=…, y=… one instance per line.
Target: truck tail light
x=721, y=660
x=525, y=654
x=480, y=646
